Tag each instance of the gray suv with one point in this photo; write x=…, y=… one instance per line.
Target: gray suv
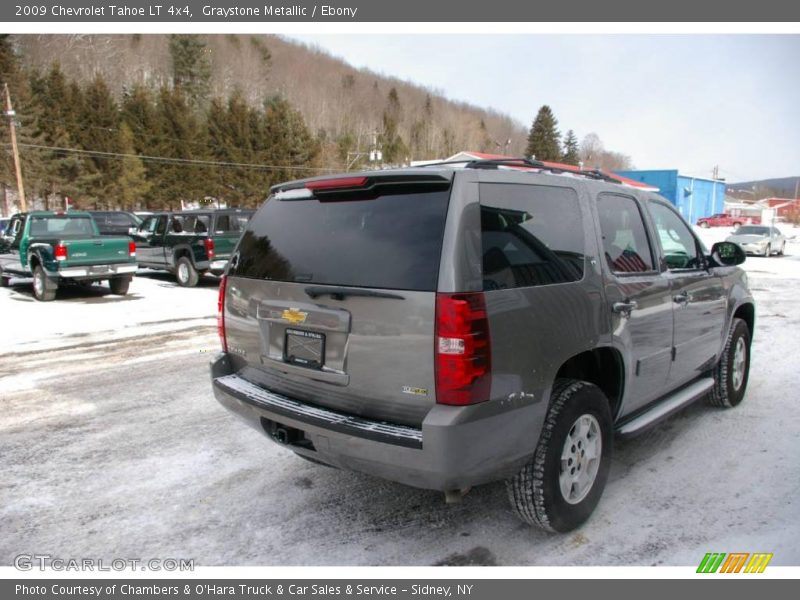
x=458, y=324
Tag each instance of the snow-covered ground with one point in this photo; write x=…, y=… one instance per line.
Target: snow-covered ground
x=115, y=447
x=155, y=303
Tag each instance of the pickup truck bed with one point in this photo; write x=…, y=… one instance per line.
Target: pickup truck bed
x=57, y=248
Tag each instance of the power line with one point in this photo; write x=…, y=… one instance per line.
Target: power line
x=172, y=160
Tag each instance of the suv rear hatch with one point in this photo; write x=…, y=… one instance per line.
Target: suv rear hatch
x=331, y=294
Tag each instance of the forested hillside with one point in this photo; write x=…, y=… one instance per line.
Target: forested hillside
x=156, y=120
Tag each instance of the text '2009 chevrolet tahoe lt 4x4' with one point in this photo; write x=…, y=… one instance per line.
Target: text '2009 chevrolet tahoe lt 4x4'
x=459, y=324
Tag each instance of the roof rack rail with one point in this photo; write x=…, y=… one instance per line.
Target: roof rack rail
x=598, y=174
x=494, y=163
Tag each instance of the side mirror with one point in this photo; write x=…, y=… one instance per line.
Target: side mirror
x=726, y=254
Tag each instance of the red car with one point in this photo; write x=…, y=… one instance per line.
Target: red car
x=723, y=220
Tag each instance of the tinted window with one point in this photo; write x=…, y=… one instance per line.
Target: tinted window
x=391, y=241
x=625, y=243
x=531, y=235
x=161, y=225
x=677, y=242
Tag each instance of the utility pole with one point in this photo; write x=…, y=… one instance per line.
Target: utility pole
x=17, y=167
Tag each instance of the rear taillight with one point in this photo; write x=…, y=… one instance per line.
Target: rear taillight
x=221, y=313
x=463, y=349
x=209, y=244
x=60, y=252
x=131, y=248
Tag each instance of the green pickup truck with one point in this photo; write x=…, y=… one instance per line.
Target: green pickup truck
x=190, y=243
x=58, y=248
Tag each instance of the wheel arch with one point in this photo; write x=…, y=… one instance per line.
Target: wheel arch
x=181, y=251
x=604, y=367
x=746, y=312
x=34, y=260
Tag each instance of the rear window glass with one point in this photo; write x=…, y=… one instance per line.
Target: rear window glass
x=61, y=226
x=231, y=223
x=391, y=241
x=752, y=230
x=531, y=235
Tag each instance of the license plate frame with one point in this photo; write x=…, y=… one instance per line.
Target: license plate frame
x=99, y=269
x=309, y=344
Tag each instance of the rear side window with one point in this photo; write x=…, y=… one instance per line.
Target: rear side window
x=625, y=243
x=191, y=223
x=531, y=235
x=389, y=241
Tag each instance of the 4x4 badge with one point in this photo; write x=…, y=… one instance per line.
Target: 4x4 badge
x=294, y=316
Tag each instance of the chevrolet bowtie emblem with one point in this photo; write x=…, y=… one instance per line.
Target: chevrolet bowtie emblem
x=294, y=316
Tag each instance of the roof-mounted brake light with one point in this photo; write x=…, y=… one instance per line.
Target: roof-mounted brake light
x=337, y=183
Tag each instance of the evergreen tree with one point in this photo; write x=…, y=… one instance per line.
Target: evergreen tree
x=392, y=145
x=290, y=141
x=178, y=135
x=235, y=132
x=543, y=139
x=27, y=112
x=138, y=114
x=64, y=173
x=97, y=130
x=132, y=184
x=571, y=154
x=191, y=67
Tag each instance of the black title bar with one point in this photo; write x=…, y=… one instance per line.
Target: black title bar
x=242, y=11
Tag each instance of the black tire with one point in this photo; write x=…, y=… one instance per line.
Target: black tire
x=736, y=225
x=185, y=273
x=725, y=394
x=5, y=280
x=44, y=289
x=119, y=285
x=782, y=250
x=768, y=250
x=535, y=493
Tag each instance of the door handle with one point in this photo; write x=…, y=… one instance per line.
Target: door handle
x=682, y=298
x=624, y=308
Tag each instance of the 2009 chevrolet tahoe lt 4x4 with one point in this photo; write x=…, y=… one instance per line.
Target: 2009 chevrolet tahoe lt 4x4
x=463, y=323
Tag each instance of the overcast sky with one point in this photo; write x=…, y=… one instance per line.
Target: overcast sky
x=669, y=101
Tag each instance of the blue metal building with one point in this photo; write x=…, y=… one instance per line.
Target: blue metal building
x=694, y=197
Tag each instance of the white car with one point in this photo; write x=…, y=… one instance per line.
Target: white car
x=763, y=240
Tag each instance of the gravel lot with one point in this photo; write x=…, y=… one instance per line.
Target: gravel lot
x=116, y=448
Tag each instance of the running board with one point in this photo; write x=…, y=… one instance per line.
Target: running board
x=666, y=407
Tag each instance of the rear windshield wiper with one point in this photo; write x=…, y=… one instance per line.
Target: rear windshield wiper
x=339, y=293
